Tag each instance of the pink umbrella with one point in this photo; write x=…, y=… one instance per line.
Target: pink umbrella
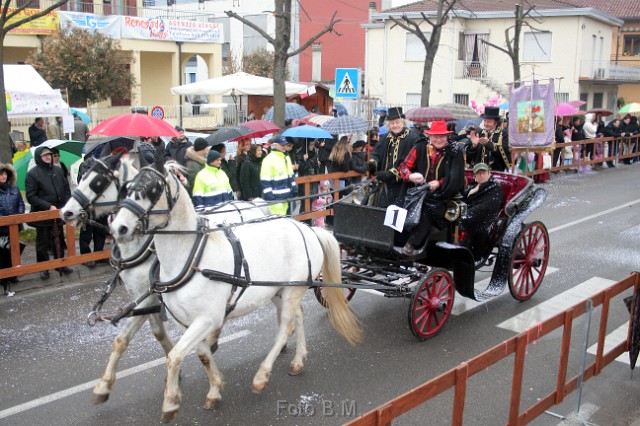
x=564, y=109
x=576, y=103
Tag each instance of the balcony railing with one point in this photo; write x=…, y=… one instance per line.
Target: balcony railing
x=610, y=70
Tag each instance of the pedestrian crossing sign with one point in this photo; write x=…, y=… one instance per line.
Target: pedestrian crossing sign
x=347, y=82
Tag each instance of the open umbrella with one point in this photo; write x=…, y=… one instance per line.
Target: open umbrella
x=291, y=110
x=318, y=120
x=628, y=108
x=379, y=109
x=70, y=152
x=307, y=132
x=134, y=125
x=95, y=148
x=459, y=111
x=602, y=111
x=83, y=116
x=340, y=109
x=577, y=103
x=564, y=109
x=225, y=134
x=257, y=129
x=346, y=124
x=504, y=105
x=424, y=114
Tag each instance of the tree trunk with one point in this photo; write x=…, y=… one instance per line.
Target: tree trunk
x=6, y=156
x=281, y=47
x=426, y=81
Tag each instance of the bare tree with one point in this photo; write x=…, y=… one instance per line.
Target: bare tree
x=513, y=42
x=431, y=44
x=6, y=15
x=281, y=44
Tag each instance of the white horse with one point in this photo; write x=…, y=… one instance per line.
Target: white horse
x=99, y=191
x=277, y=251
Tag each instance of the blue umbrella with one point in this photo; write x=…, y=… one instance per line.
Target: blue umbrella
x=504, y=105
x=340, y=109
x=307, y=132
x=291, y=110
x=383, y=131
x=83, y=116
x=379, y=109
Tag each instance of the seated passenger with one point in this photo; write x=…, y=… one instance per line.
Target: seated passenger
x=483, y=198
x=440, y=163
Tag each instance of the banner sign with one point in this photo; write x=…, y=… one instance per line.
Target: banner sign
x=171, y=30
x=45, y=25
x=107, y=25
x=531, y=115
x=30, y=104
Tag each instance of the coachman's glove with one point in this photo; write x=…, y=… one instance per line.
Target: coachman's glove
x=385, y=176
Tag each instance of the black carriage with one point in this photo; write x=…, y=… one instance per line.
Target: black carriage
x=373, y=259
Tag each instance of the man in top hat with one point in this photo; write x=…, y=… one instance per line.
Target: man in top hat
x=438, y=163
x=387, y=155
x=498, y=158
x=484, y=199
x=277, y=176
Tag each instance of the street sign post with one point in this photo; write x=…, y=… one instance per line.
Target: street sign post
x=347, y=83
x=157, y=112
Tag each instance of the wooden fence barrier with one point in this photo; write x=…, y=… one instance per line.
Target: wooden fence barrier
x=457, y=377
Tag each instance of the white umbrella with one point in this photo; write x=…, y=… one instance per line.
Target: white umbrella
x=236, y=84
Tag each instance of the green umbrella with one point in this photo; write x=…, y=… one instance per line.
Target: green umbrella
x=628, y=108
x=70, y=152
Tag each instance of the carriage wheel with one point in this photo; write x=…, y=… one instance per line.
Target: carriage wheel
x=431, y=304
x=348, y=294
x=529, y=260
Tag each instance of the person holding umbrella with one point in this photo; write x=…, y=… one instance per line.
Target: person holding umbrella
x=47, y=189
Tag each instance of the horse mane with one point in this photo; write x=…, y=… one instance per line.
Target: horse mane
x=146, y=184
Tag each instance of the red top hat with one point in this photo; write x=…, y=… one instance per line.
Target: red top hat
x=438, y=128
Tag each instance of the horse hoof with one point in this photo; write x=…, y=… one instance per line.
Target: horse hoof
x=284, y=349
x=168, y=416
x=212, y=403
x=295, y=370
x=99, y=398
x=258, y=388
x=214, y=348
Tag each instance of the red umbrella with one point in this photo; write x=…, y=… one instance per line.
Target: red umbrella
x=134, y=125
x=424, y=114
x=257, y=129
x=603, y=112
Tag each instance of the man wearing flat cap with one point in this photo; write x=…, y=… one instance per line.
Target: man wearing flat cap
x=484, y=199
x=387, y=155
x=277, y=176
x=499, y=158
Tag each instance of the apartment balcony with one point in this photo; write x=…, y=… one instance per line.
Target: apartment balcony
x=611, y=72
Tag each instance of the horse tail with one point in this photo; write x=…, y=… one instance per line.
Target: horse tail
x=341, y=316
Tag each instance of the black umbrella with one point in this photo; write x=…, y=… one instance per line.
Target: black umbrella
x=96, y=148
x=633, y=305
x=224, y=134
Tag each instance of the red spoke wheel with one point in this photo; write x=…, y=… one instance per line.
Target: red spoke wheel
x=431, y=304
x=348, y=294
x=529, y=261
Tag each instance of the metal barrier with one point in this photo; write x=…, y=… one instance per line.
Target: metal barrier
x=457, y=377
x=72, y=258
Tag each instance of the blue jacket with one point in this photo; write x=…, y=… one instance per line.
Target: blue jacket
x=11, y=201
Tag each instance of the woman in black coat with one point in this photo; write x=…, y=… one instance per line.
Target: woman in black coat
x=10, y=203
x=250, y=174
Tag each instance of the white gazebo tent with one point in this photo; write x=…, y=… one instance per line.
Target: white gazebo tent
x=29, y=95
x=236, y=84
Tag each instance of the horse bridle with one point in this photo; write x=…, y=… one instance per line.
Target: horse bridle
x=99, y=184
x=143, y=214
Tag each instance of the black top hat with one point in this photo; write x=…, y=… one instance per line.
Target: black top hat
x=491, y=112
x=394, y=112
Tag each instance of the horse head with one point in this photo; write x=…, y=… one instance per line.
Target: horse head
x=147, y=207
x=98, y=191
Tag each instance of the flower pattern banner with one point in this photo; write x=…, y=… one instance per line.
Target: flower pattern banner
x=531, y=115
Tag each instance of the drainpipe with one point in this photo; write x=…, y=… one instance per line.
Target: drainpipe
x=179, y=43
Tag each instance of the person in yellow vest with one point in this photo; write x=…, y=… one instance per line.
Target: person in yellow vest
x=277, y=176
x=211, y=185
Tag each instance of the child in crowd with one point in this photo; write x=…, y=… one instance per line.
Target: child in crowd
x=321, y=202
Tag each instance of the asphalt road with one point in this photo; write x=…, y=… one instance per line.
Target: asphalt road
x=51, y=358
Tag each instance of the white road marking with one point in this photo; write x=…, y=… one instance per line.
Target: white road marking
x=90, y=385
x=463, y=304
x=556, y=304
x=612, y=339
x=593, y=216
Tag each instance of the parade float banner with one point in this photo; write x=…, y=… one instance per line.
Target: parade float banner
x=531, y=115
x=45, y=25
x=171, y=30
x=104, y=24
